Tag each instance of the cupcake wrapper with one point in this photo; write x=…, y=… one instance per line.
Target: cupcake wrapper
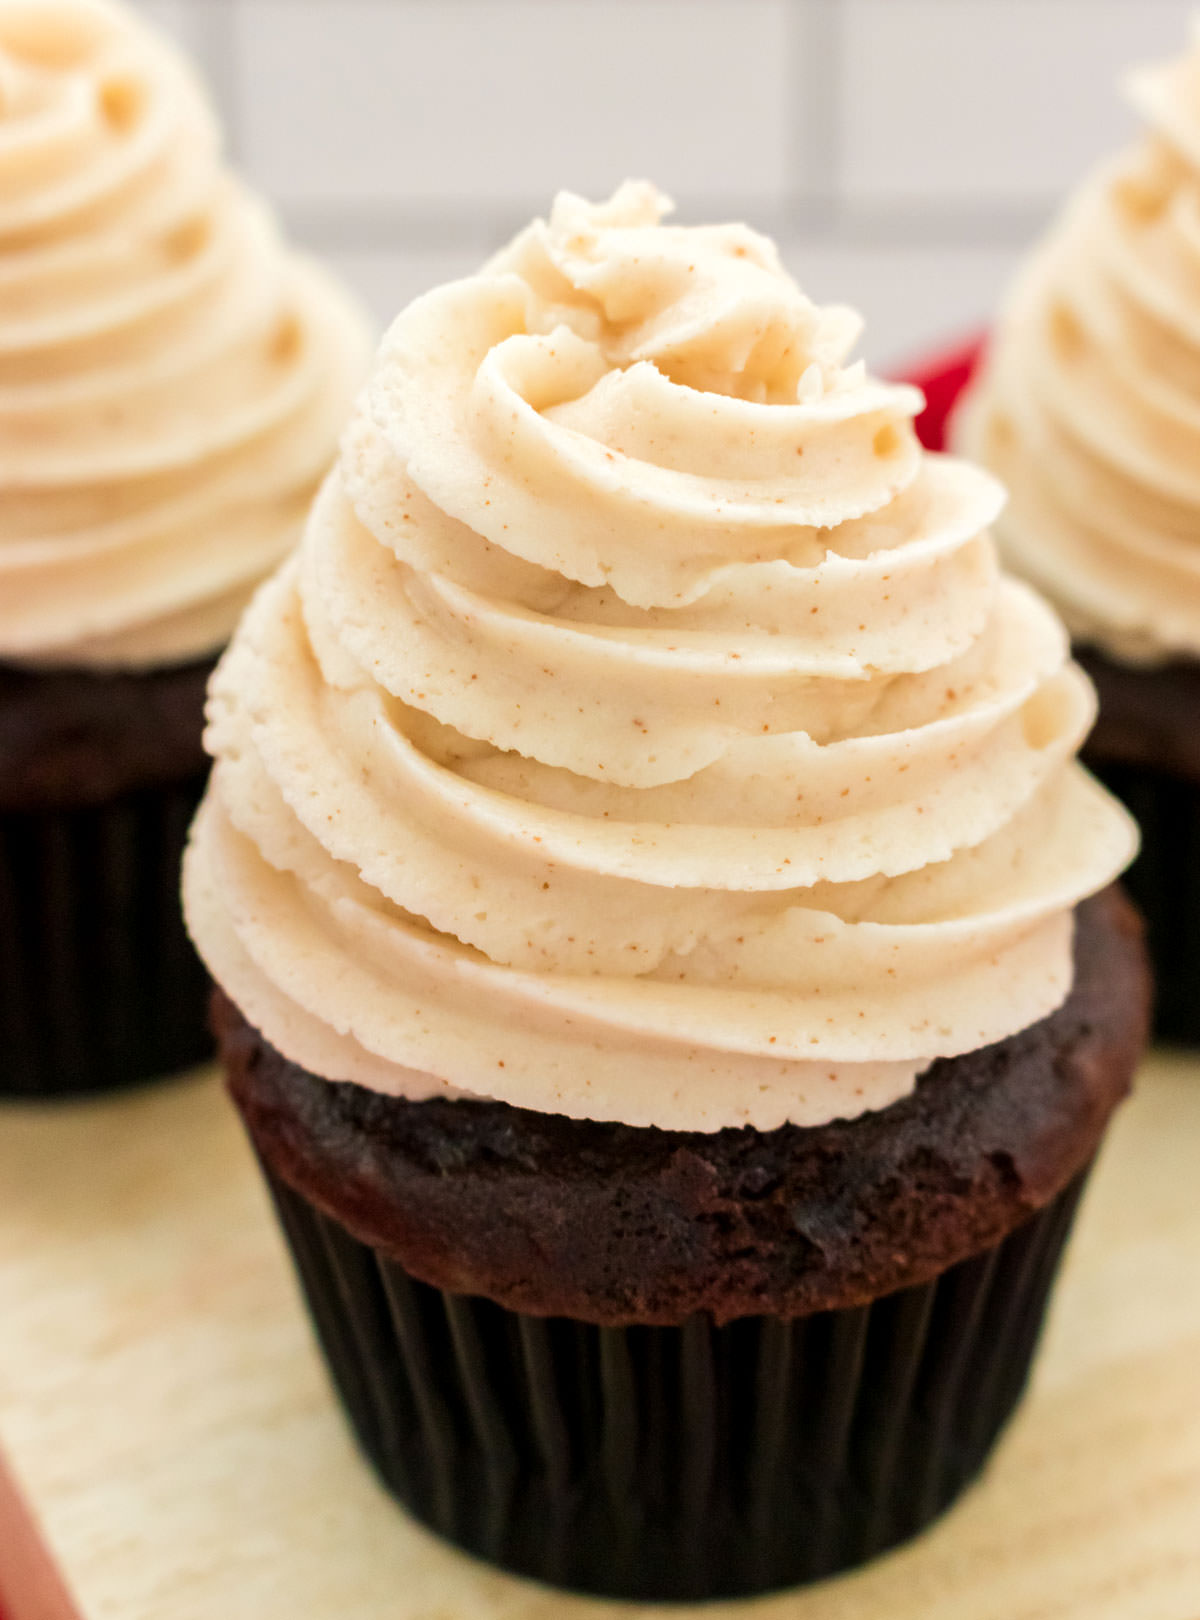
x=99, y=984
x=677, y=1463
x=1165, y=883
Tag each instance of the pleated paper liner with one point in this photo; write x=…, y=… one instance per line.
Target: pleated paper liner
x=678, y=1463
x=99, y=984
x=1165, y=883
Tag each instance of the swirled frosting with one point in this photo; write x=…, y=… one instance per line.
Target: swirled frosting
x=1089, y=408
x=643, y=730
x=172, y=380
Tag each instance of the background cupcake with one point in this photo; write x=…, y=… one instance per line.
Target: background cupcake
x=647, y=872
x=172, y=382
x=1089, y=409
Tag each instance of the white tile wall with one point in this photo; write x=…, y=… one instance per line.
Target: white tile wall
x=912, y=297
x=977, y=101
x=903, y=151
x=494, y=105
x=389, y=278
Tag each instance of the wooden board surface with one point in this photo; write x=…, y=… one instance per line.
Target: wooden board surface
x=168, y=1423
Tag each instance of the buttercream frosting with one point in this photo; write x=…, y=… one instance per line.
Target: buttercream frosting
x=643, y=730
x=1089, y=407
x=172, y=379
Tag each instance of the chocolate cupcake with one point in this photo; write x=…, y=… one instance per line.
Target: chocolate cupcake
x=669, y=970
x=172, y=382
x=1089, y=409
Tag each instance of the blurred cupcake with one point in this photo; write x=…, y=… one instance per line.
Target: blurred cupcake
x=172, y=383
x=1089, y=409
x=648, y=877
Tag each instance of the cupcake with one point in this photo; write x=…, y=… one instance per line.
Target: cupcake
x=172, y=383
x=669, y=965
x=1089, y=410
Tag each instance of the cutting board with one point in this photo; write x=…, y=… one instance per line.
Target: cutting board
x=174, y=1451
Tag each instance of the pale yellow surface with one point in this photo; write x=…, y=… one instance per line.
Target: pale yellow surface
x=163, y=1409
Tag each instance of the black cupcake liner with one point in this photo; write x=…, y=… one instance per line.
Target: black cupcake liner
x=1165, y=883
x=99, y=984
x=679, y=1463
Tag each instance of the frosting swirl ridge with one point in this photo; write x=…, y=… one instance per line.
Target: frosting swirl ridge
x=172, y=379
x=643, y=729
x=1089, y=406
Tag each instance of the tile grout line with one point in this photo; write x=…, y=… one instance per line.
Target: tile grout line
x=818, y=64
x=387, y=227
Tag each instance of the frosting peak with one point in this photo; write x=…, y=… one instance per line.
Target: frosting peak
x=172, y=380
x=1089, y=406
x=710, y=307
x=643, y=730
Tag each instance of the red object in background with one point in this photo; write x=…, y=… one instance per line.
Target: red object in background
x=942, y=380
x=30, y=1584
